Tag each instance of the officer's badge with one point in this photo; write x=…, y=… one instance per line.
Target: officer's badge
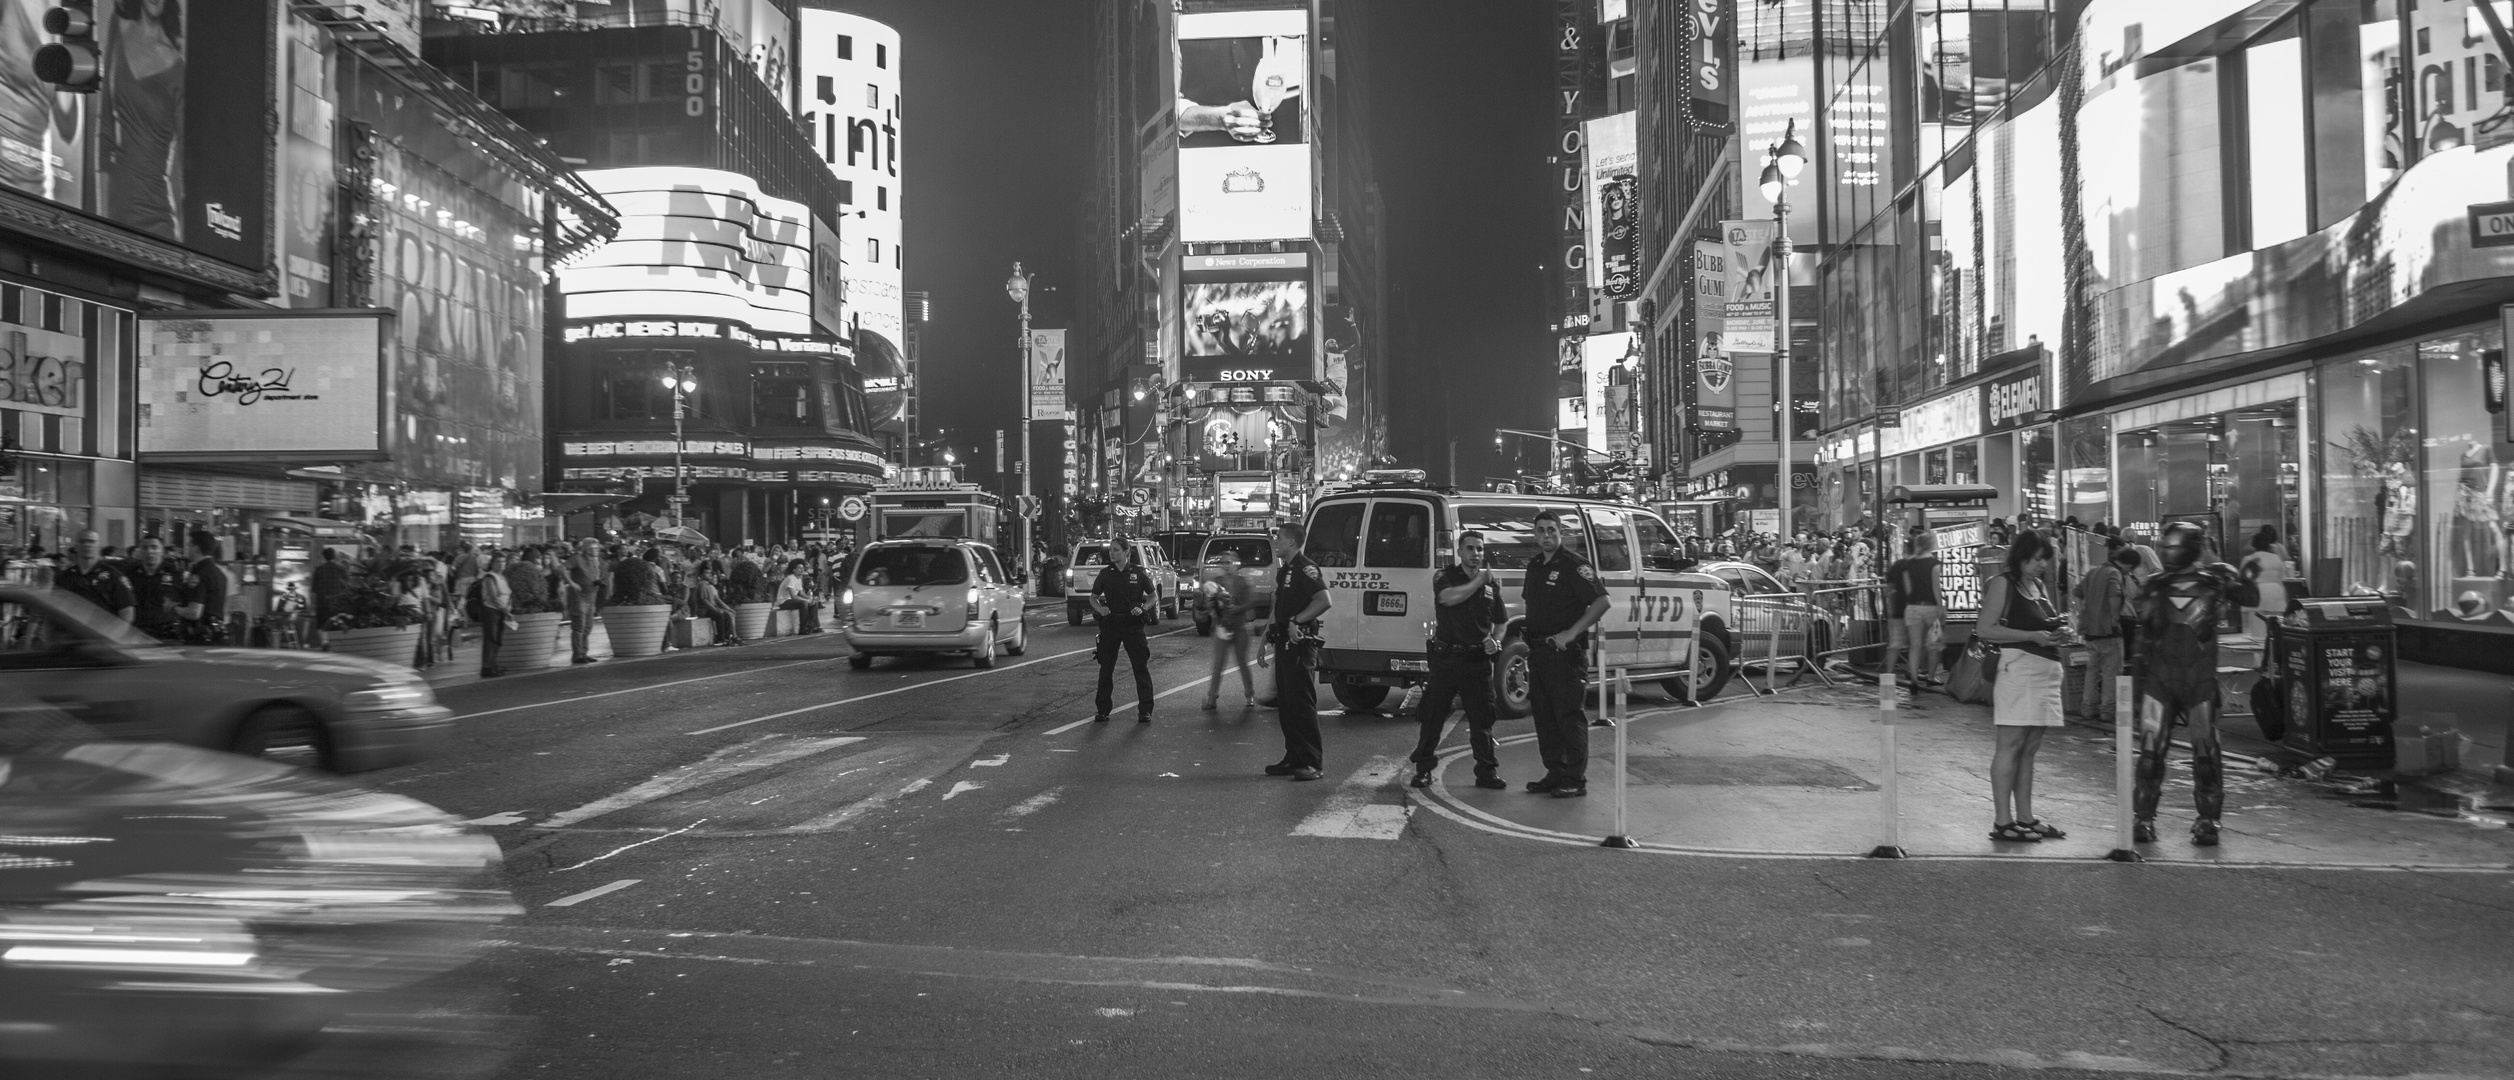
x=1587, y=574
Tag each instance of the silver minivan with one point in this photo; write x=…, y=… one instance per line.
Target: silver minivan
x=933, y=595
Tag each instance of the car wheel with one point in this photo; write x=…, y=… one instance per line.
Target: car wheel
x=1510, y=681
x=985, y=655
x=860, y=661
x=287, y=734
x=1711, y=669
x=1021, y=636
x=1360, y=698
x=1073, y=614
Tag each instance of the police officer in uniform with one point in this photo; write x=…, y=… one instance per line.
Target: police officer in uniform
x=1122, y=598
x=91, y=575
x=1300, y=597
x=1466, y=606
x=1563, y=600
x=156, y=589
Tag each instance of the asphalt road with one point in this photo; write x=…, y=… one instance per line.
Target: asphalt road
x=919, y=870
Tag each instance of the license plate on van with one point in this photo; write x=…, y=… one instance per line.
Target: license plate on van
x=907, y=620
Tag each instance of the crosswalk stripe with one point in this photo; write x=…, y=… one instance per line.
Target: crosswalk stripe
x=1349, y=814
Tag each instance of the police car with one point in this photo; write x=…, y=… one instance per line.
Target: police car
x=1379, y=544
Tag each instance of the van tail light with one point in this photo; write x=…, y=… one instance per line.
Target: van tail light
x=846, y=598
x=972, y=614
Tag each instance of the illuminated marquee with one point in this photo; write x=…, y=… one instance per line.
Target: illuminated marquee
x=696, y=244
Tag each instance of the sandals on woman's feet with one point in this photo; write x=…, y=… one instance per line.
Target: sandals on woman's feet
x=2016, y=832
x=2044, y=829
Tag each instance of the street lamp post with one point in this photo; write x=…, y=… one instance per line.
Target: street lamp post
x=1783, y=162
x=682, y=380
x=1018, y=287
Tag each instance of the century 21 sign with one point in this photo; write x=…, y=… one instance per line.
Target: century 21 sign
x=41, y=371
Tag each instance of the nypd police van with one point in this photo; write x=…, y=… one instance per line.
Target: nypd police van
x=1378, y=546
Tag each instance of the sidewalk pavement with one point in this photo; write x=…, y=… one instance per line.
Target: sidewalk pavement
x=1795, y=775
x=2478, y=704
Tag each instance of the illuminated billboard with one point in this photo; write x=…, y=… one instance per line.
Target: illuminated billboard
x=696, y=244
x=1247, y=331
x=850, y=70
x=1607, y=364
x=296, y=386
x=1611, y=210
x=169, y=145
x=1243, y=130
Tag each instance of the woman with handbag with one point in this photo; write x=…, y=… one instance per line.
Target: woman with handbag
x=2018, y=615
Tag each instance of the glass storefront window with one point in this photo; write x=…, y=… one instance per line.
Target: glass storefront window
x=2034, y=474
x=1934, y=467
x=1964, y=463
x=2233, y=473
x=2466, y=497
x=2368, y=512
x=2086, y=468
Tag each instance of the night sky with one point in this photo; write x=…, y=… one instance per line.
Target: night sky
x=995, y=148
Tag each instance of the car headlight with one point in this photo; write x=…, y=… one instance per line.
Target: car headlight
x=389, y=698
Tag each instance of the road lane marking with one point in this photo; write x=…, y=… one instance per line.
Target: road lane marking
x=1349, y=814
x=916, y=785
x=1179, y=689
x=639, y=844
x=1035, y=803
x=641, y=689
x=998, y=759
x=509, y=817
x=902, y=689
x=962, y=788
x=579, y=898
x=730, y=761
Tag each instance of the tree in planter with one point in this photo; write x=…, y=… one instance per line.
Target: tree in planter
x=745, y=584
x=371, y=606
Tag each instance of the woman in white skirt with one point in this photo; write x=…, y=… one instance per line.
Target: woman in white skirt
x=2017, y=615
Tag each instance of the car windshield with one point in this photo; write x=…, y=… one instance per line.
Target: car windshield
x=914, y=565
x=1252, y=550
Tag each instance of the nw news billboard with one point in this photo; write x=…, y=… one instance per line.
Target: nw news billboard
x=177, y=142
x=1243, y=126
x=696, y=244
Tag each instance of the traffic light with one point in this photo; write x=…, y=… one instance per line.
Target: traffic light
x=71, y=62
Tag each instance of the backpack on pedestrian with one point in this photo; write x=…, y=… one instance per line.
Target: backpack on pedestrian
x=473, y=608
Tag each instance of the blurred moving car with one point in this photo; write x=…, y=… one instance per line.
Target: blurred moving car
x=1256, y=552
x=933, y=595
x=1092, y=555
x=322, y=710
x=169, y=911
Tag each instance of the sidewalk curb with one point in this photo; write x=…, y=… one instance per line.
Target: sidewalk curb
x=471, y=677
x=1441, y=801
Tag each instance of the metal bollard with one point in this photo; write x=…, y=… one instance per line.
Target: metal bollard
x=1618, y=689
x=1890, y=786
x=2124, y=765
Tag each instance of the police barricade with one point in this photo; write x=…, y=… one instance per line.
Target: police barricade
x=1854, y=612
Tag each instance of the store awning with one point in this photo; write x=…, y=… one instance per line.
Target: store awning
x=563, y=503
x=1942, y=493
x=312, y=526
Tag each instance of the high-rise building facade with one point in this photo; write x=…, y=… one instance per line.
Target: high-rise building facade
x=706, y=354
x=180, y=236
x=2136, y=263
x=850, y=67
x=1231, y=319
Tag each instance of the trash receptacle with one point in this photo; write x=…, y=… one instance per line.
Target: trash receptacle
x=2332, y=660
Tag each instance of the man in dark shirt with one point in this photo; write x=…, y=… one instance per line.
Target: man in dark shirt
x=1122, y=598
x=156, y=587
x=1913, y=609
x=1563, y=599
x=1466, y=606
x=1300, y=597
x=205, y=588
x=90, y=575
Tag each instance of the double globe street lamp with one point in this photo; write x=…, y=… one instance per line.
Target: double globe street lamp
x=682, y=380
x=1783, y=161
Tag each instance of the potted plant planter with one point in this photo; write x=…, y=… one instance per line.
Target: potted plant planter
x=391, y=644
x=750, y=621
x=535, y=637
x=636, y=629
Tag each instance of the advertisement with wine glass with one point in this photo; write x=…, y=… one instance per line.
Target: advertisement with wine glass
x=1242, y=118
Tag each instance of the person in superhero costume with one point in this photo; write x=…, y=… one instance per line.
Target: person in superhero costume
x=2178, y=612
